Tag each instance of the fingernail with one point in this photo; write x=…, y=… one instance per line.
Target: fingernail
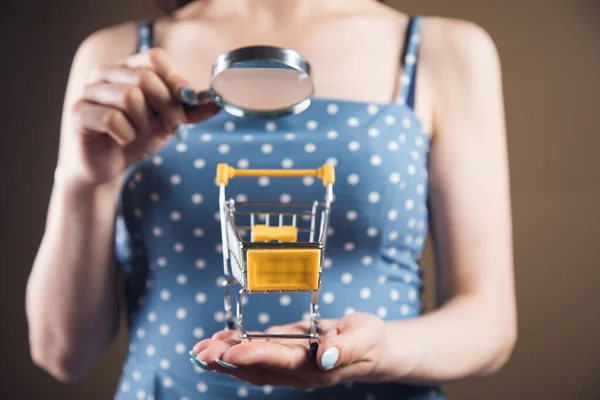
x=181, y=132
x=189, y=96
x=200, y=364
x=330, y=357
x=192, y=354
x=225, y=365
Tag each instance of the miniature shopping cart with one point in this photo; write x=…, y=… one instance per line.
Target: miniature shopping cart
x=285, y=248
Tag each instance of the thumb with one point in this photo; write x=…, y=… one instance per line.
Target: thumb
x=349, y=342
x=201, y=112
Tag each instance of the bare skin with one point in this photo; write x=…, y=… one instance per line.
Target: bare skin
x=459, y=100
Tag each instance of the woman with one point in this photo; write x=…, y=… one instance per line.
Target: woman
x=410, y=110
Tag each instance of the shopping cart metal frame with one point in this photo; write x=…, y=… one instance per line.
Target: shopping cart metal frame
x=236, y=250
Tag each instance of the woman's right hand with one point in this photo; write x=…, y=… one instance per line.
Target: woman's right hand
x=125, y=113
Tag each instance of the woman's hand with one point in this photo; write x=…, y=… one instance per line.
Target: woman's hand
x=350, y=350
x=125, y=113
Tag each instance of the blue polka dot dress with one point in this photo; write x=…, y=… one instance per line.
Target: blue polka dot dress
x=168, y=237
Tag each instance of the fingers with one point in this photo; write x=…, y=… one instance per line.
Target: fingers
x=92, y=118
x=348, y=352
x=216, y=340
x=304, y=326
x=287, y=361
x=114, y=74
x=261, y=363
x=251, y=362
x=228, y=335
x=291, y=329
x=210, y=350
x=274, y=355
x=180, y=88
x=127, y=98
x=116, y=86
x=159, y=97
x=159, y=61
x=258, y=376
x=351, y=341
x=200, y=113
x=161, y=92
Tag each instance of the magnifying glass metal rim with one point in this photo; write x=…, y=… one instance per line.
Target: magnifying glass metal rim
x=284, y=56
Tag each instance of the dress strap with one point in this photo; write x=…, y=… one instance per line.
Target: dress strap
x=145, y=35
x=410, y=62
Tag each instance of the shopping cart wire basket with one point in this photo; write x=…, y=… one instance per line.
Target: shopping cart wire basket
x=285, y=249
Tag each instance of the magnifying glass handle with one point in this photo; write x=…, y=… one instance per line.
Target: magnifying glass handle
x=205, y=97
x=202, y=98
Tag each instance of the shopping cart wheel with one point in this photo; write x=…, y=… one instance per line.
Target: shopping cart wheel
x=312, y=351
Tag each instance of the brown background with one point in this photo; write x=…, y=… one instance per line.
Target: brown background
x=551, y=58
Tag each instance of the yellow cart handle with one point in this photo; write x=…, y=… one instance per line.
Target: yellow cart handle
x=224, y=173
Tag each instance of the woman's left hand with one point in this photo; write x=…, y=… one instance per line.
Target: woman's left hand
x=351, y=349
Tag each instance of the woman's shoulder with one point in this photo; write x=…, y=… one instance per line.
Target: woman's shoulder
x=441, y=34
x=112, y=44
x=109, y=44
x=461, y=66
x=457, y=52
x=453, y=35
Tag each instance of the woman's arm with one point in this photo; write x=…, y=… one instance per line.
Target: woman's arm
x=72, y=294
x=474, y=330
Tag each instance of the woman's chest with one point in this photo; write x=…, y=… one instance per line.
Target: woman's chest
x=381, y=177
x=355, y=58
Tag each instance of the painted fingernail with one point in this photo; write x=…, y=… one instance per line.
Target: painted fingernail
x=181, y=132
x=192, y=354
x=189, y=96
x=330, y=357
x=200, y=364
x=225, y=365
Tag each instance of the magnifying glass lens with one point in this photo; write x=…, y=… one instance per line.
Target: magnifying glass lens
x=262, y=86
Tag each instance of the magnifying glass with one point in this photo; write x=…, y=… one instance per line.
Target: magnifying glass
x=260, y=82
